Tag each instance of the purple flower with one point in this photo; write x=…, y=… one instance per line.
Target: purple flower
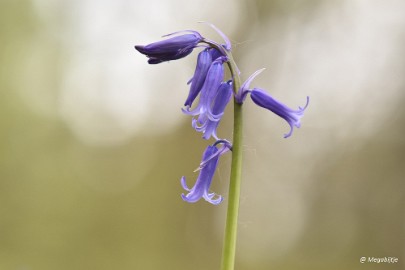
x=207, y=169
x=204, y=61
x=209, y=91
x=207, y=126
x=292, y=117
x=172, y=48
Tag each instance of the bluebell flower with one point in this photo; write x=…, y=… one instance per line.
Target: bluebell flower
x=204, y=62
x=266, y=101
x=207, y=126
x=209, y=91
x=172, y=48
x=201, y=188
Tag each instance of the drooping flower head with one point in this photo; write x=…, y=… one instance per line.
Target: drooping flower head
x=214, y=94
x=201, y=188
x=172, y=48
x=266, y=101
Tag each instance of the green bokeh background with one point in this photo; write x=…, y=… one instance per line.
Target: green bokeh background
x=66, y=203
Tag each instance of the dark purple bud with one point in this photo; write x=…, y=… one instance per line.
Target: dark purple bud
x=170, y=49
x=266, y=101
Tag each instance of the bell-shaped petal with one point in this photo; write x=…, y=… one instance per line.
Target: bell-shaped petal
x=209, y=91
x=266, y=101
x=209, y=163
x=204, y=61
x=203, y=183
x=207, y=126
x=170, y=49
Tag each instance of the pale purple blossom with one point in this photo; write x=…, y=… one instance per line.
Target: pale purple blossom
x=209, y=163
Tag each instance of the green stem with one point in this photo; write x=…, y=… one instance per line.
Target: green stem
x=229, y=247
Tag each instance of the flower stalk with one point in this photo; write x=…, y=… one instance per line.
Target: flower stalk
x=231, y=226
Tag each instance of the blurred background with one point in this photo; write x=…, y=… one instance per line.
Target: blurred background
x=93, y=143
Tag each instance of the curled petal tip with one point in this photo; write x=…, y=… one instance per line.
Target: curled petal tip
x=215, y=201
x=183, y=183
x=186, y=199
x=306, y=105
x=288, y=134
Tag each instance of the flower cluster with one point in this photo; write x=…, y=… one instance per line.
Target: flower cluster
x=215, y=92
